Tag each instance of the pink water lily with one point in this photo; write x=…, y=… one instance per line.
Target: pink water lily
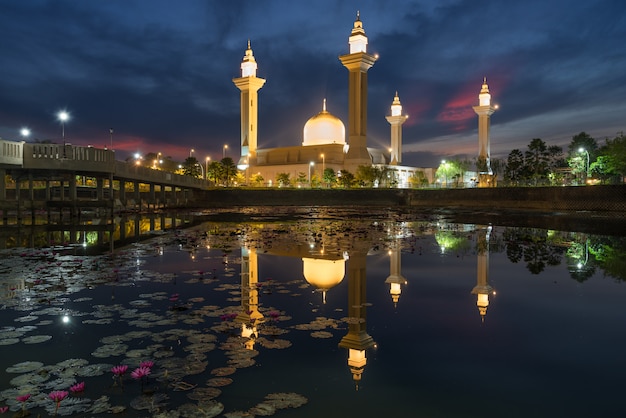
x=78, y=388
x=149, y=364
x=119, y=370
x=57, y=396
x=140, y=372
x=23, y=398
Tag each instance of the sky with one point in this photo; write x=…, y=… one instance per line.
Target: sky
x=159, y=73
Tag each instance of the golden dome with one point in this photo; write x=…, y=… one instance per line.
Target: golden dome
x=323, y=274
x=324, y=128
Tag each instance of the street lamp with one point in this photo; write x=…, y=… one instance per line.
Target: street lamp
x=191, y=151
x=311, y=164
x=63, y=116
x=445, y=171
x=224, y=151
x=581, y=150
x=111, y=133
x=207, y=168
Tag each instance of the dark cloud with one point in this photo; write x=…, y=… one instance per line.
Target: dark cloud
x=160, y=74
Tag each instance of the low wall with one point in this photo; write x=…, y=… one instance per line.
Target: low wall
x=546, y=199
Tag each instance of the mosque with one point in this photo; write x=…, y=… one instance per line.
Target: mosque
x=324, y=144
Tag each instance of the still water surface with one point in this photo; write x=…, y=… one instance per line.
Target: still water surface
x=338, y=316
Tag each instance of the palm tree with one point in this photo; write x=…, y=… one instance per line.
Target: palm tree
x=229, y=170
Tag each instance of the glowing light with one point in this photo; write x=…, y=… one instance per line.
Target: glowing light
x=63, y=116
x=25, y=132
x=65, y=319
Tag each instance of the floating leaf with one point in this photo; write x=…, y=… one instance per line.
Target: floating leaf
x=25, y=367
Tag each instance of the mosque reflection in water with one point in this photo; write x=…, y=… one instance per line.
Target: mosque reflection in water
x=324, y=270
x=429, y=332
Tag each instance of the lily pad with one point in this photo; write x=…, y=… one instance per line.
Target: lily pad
x=36, y=339
x=25, y=367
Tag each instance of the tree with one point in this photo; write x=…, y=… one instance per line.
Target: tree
x=536, y=159
x=229, y=170
x=257, y=179
x=329, y=176
x=581, y=147
x=497, y=165
x=450, y=171
x=302, y=178
x=346, y=178
x=214, y=172
x=611, y=161
x=191, y=167
x=283, y=179
x=418, y=179
x=515, y=167
x=366, y=175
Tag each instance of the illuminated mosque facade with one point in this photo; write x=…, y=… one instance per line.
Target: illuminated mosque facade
x=324, y=136
x=324, y=142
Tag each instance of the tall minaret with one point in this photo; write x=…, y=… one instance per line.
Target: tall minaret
x=357, y=340
x=249, y=316
x=249, y=84
x=358, y=61
x=396, y=120
x=482, y=288
x=484, y=110
x=395, y=280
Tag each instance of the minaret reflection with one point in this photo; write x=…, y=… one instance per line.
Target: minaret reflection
x=249, y=316
x=395, y=280
x=357, y=340
x=482, y=288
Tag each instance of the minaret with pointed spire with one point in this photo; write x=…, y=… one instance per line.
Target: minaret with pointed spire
x=482, y=288
x=395, y=280
x=357, y=340
x=396, y=120
x=484, y=110
x=249, y=84
x=249, y=316
x=358, y=62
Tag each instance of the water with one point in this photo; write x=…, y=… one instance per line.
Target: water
x=361, y=315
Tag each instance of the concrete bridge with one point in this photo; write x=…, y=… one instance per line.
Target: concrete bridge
x=53, y=175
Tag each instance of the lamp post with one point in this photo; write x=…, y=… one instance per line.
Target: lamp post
x=445, y=171
x=224, y=151
x=111, y=133
x=191, y=151
x=202, y=170
x=311, y=164
x=581, y=150
x=206, y=172
x=323, y=166
x=63, y=116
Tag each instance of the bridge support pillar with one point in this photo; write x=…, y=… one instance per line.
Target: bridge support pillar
x=152, y=197
x=3, y=184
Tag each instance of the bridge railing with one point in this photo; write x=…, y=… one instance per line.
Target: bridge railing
x=11, y=152
x=129, y=171
x=68, y=157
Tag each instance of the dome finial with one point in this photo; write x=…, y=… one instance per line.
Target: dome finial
x=358, y=15
x=324, y=106
x=248, y=43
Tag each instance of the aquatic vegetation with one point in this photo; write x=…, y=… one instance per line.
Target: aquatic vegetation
x=57, y=396
x=78, y=388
